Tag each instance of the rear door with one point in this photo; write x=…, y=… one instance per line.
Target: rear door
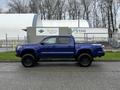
x=64, y=47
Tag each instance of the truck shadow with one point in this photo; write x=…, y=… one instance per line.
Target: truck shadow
x=65, y=64
x=63, y=67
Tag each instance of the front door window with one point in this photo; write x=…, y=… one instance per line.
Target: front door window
x=51, y=40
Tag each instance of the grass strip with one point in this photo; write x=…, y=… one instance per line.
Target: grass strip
x=10, y=56
x=110, y=56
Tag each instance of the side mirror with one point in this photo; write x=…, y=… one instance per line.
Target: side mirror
x=42, y=43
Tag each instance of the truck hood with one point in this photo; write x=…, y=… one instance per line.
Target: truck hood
x=29, y=44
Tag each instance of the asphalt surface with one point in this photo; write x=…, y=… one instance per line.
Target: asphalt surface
x=6, y=49
x=60, y=76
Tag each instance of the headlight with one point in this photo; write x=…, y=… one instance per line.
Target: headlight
x=97, y=44
x=18, y=47
x=103, y=46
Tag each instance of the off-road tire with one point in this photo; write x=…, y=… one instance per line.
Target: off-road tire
x=28, y=60
x=84, y=60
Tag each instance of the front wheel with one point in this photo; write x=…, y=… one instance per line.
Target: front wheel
x=85, y=60
x=28, y=60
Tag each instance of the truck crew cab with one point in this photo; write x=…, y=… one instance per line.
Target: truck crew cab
x=59, y=47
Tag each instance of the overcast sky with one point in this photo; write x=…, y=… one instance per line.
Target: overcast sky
x=3, y=4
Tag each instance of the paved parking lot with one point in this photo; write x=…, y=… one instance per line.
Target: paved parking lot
x=60, y=76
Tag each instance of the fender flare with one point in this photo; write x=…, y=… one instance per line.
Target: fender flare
x=28, y=55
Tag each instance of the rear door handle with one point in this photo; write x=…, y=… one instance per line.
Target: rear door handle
x=54, y=46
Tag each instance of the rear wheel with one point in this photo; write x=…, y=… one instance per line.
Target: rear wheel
x=28, y=60
x=85, y=60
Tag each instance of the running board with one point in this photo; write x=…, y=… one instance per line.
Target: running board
x=57, y=60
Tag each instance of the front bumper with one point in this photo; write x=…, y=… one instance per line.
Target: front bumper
x=100, y=53
x=18, y=53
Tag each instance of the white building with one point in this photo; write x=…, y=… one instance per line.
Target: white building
x=12, y=25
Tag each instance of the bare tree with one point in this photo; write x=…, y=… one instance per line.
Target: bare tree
x=42, y=9
x=64, y=10
x=36, y=5
x=33, y=6
x=59, y=9
x=49, y=8
x=110, y=17
x=95, y=15
x=116, y=6
x=46, y=8
x=18, y=6
x=103, y=13
x=73, y=9
x=86, y=5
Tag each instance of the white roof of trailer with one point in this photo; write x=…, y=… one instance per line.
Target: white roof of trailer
x=62, y=23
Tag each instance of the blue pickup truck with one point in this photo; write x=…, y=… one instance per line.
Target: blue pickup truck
x=59, y=47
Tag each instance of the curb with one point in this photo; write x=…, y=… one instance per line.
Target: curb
x=9, y=61
x=62, y=61
x=107, y=61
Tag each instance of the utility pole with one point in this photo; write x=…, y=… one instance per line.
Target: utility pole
x=6, y=38
x=78, y=18
x=18, y=38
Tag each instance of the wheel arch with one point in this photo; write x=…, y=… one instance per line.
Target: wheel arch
x=88, y=51
x=28, y=51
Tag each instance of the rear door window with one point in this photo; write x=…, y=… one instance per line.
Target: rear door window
x=63, y=40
